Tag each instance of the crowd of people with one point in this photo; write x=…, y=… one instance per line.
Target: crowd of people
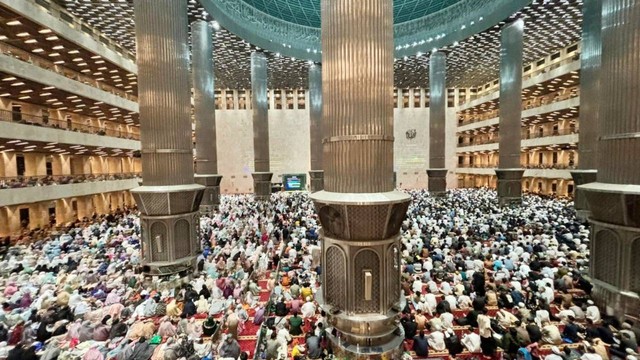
x=480, y=280
x=31, y=181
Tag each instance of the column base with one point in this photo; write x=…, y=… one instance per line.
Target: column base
x=361, y=251
x=582, y=177
x=345, y=350
x=169, y=224
x=437, y=184
x=614, y=301
x=262, y=185
x=509, y=186
x=615, y=246
x=316, y=180
x=211, y=198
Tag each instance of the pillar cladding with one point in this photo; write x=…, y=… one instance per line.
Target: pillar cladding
x=359, y=210
x=614, y=200
x=316, y=174
x=509, y=172
x=168, y=199
x=437, y=116
x=261, y=175
x=590, y=62
x=205, y=115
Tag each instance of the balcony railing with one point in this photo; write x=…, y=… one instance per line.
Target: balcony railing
x=68, y=125
x=547, y=133
x=524, y=136
x=19, y=182
x=527, y=103
x=64, y=71
x=526, y=76
x=525, y=166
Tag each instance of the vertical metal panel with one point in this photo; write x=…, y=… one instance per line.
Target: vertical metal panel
x=620, y=91
x=437, y=109
x=511, y=45
x=203, y=96
x=260, y=111
x=164, y=92
x=315, y=115
x=357, y=74
x=590, y=61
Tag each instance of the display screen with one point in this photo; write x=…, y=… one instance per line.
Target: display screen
x=293, y=182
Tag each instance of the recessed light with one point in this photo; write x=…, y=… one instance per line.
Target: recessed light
x=14, y=23
x=38, y=50
x=22, y=34
x=17, y=84
x=10, y=78
x=52, y=38
x=44, y=31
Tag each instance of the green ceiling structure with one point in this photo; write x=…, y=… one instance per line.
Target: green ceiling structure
x=292, y=27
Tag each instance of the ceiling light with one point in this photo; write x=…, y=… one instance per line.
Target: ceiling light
x=45, y=31
x=10, y=78
x=30, y=41
x=38, y=50
x=22, y=34
x=17, y=84
x=52, y=38
x=2, y=37
x=14, y=23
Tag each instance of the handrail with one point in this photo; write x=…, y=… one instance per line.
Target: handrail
x=17, y=182
x=575, y=57
x=35, y=120
x=557, y=166
x=27, y=57
x=547, y=133
x=527, y=104
x=525, y=135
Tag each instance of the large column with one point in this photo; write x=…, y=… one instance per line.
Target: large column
x=205, y=115
x=316, y=174
x=509, y=172
x=437, y=120
x=590, y=61
x=261, y=174
x=168, y=198
x=614, y=200
x=359, y=210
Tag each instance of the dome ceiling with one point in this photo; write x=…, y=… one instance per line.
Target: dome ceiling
x=292, y=27
x=307, y=12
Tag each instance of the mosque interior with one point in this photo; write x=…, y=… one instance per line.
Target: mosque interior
x=319, y=179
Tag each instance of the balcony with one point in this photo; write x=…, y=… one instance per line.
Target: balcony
x=24, y=190
x=65, y=125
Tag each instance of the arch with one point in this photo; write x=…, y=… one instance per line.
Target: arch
x=182, y=238
x=335, y=286
x=392, y=270
x=158, y=240
x=367, y=259
x=606, y=256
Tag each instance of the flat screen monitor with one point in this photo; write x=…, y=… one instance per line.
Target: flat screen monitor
x=294, y=182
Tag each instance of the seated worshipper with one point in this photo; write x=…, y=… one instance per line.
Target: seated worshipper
x=229, y=348
x=295, y=323
x=308, y=309
x=421, y=344
x=436, y=340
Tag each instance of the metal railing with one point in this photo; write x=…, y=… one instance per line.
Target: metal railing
x=67, y=125
x=558, y=166
x=18, y=182
x=547, y=133
x=527, y=104
x=524, y=136
x=27, y=57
